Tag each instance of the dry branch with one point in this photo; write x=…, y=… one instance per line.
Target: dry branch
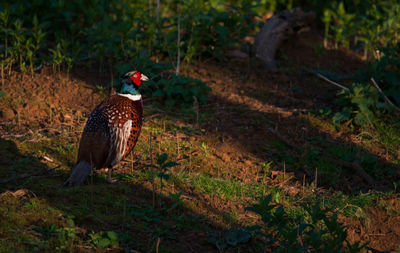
x=387, y=100
x=331, y=82
x=383, y=94
x=25, y=175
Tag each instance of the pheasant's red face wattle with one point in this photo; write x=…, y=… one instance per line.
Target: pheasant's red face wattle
x=136, y=78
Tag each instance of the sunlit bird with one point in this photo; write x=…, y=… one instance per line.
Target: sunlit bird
x=111, y=131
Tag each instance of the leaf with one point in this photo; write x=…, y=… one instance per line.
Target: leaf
x=70, y=222
x=158, y=93
x=254, y=228
x=363, y=118
x=112, y=235
x=237, y=236
x=214, y=238
x=170, y=164
x=104, y=242
x=176, y=196
x=164, y=176
x=162, y=158
x=114, y=243
x=363, y=102
x=340, y=117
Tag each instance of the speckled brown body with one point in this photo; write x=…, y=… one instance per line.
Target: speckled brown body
x=111, y=131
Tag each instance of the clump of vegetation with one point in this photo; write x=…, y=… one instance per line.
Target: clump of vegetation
x=363, y=102
x=103, y=240
x=314, y=230
x=374, y=30
x=365, y=26
x=205, y=31
x=318, y=231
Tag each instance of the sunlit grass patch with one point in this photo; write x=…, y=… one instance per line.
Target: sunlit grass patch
x=226, y=189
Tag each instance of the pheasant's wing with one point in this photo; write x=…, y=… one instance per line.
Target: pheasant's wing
x=125, y=125
x=112, y=130
x=119, y=135
x=95, y=143
x=136, y=127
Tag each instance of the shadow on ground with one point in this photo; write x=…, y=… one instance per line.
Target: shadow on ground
x=96, y=206
x=252, y=117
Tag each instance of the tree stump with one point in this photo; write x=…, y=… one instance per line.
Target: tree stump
x=280, y=27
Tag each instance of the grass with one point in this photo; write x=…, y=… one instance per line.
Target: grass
x=205, y=193
x=156, y=209
x=225, y=189
x=97, y=209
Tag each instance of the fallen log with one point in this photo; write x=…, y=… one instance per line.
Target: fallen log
x=277, y=29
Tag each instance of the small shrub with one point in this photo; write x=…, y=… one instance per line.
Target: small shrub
x=315, y=229
x=363, y=102
x=104, y=239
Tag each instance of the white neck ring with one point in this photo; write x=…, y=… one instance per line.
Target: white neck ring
x=131, y=97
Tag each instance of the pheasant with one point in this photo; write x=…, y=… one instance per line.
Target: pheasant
x=111, y=131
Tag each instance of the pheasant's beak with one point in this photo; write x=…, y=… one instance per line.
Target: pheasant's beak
x=144, y=78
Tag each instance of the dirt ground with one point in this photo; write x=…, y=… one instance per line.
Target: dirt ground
x=245, y=104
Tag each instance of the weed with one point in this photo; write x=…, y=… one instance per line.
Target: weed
x=104, y=239
x=266, y=173
x=204, y=147
x=229, y=239
x=158, y=223
x=61, y=238
x=321, y=233
x=100, y=89
x=162, y=167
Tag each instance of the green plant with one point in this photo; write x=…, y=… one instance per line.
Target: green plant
x=180, y=90
x=104, y=239
x=204, y=148
x=159, y=223
x=58, y=56
x=72, y=36
x=266, y=167
x=318, y=231
x=363, y=102
x=213, y=30
x=361, y=25
x=60, y=238
x=228, y=239
x=100, y=89
x=162, y=167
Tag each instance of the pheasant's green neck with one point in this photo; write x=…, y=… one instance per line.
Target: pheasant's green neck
x=129, y=89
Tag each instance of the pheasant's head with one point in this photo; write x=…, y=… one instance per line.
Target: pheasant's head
x=131, y=82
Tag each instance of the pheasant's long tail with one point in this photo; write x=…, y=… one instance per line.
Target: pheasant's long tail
x=79, y=174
